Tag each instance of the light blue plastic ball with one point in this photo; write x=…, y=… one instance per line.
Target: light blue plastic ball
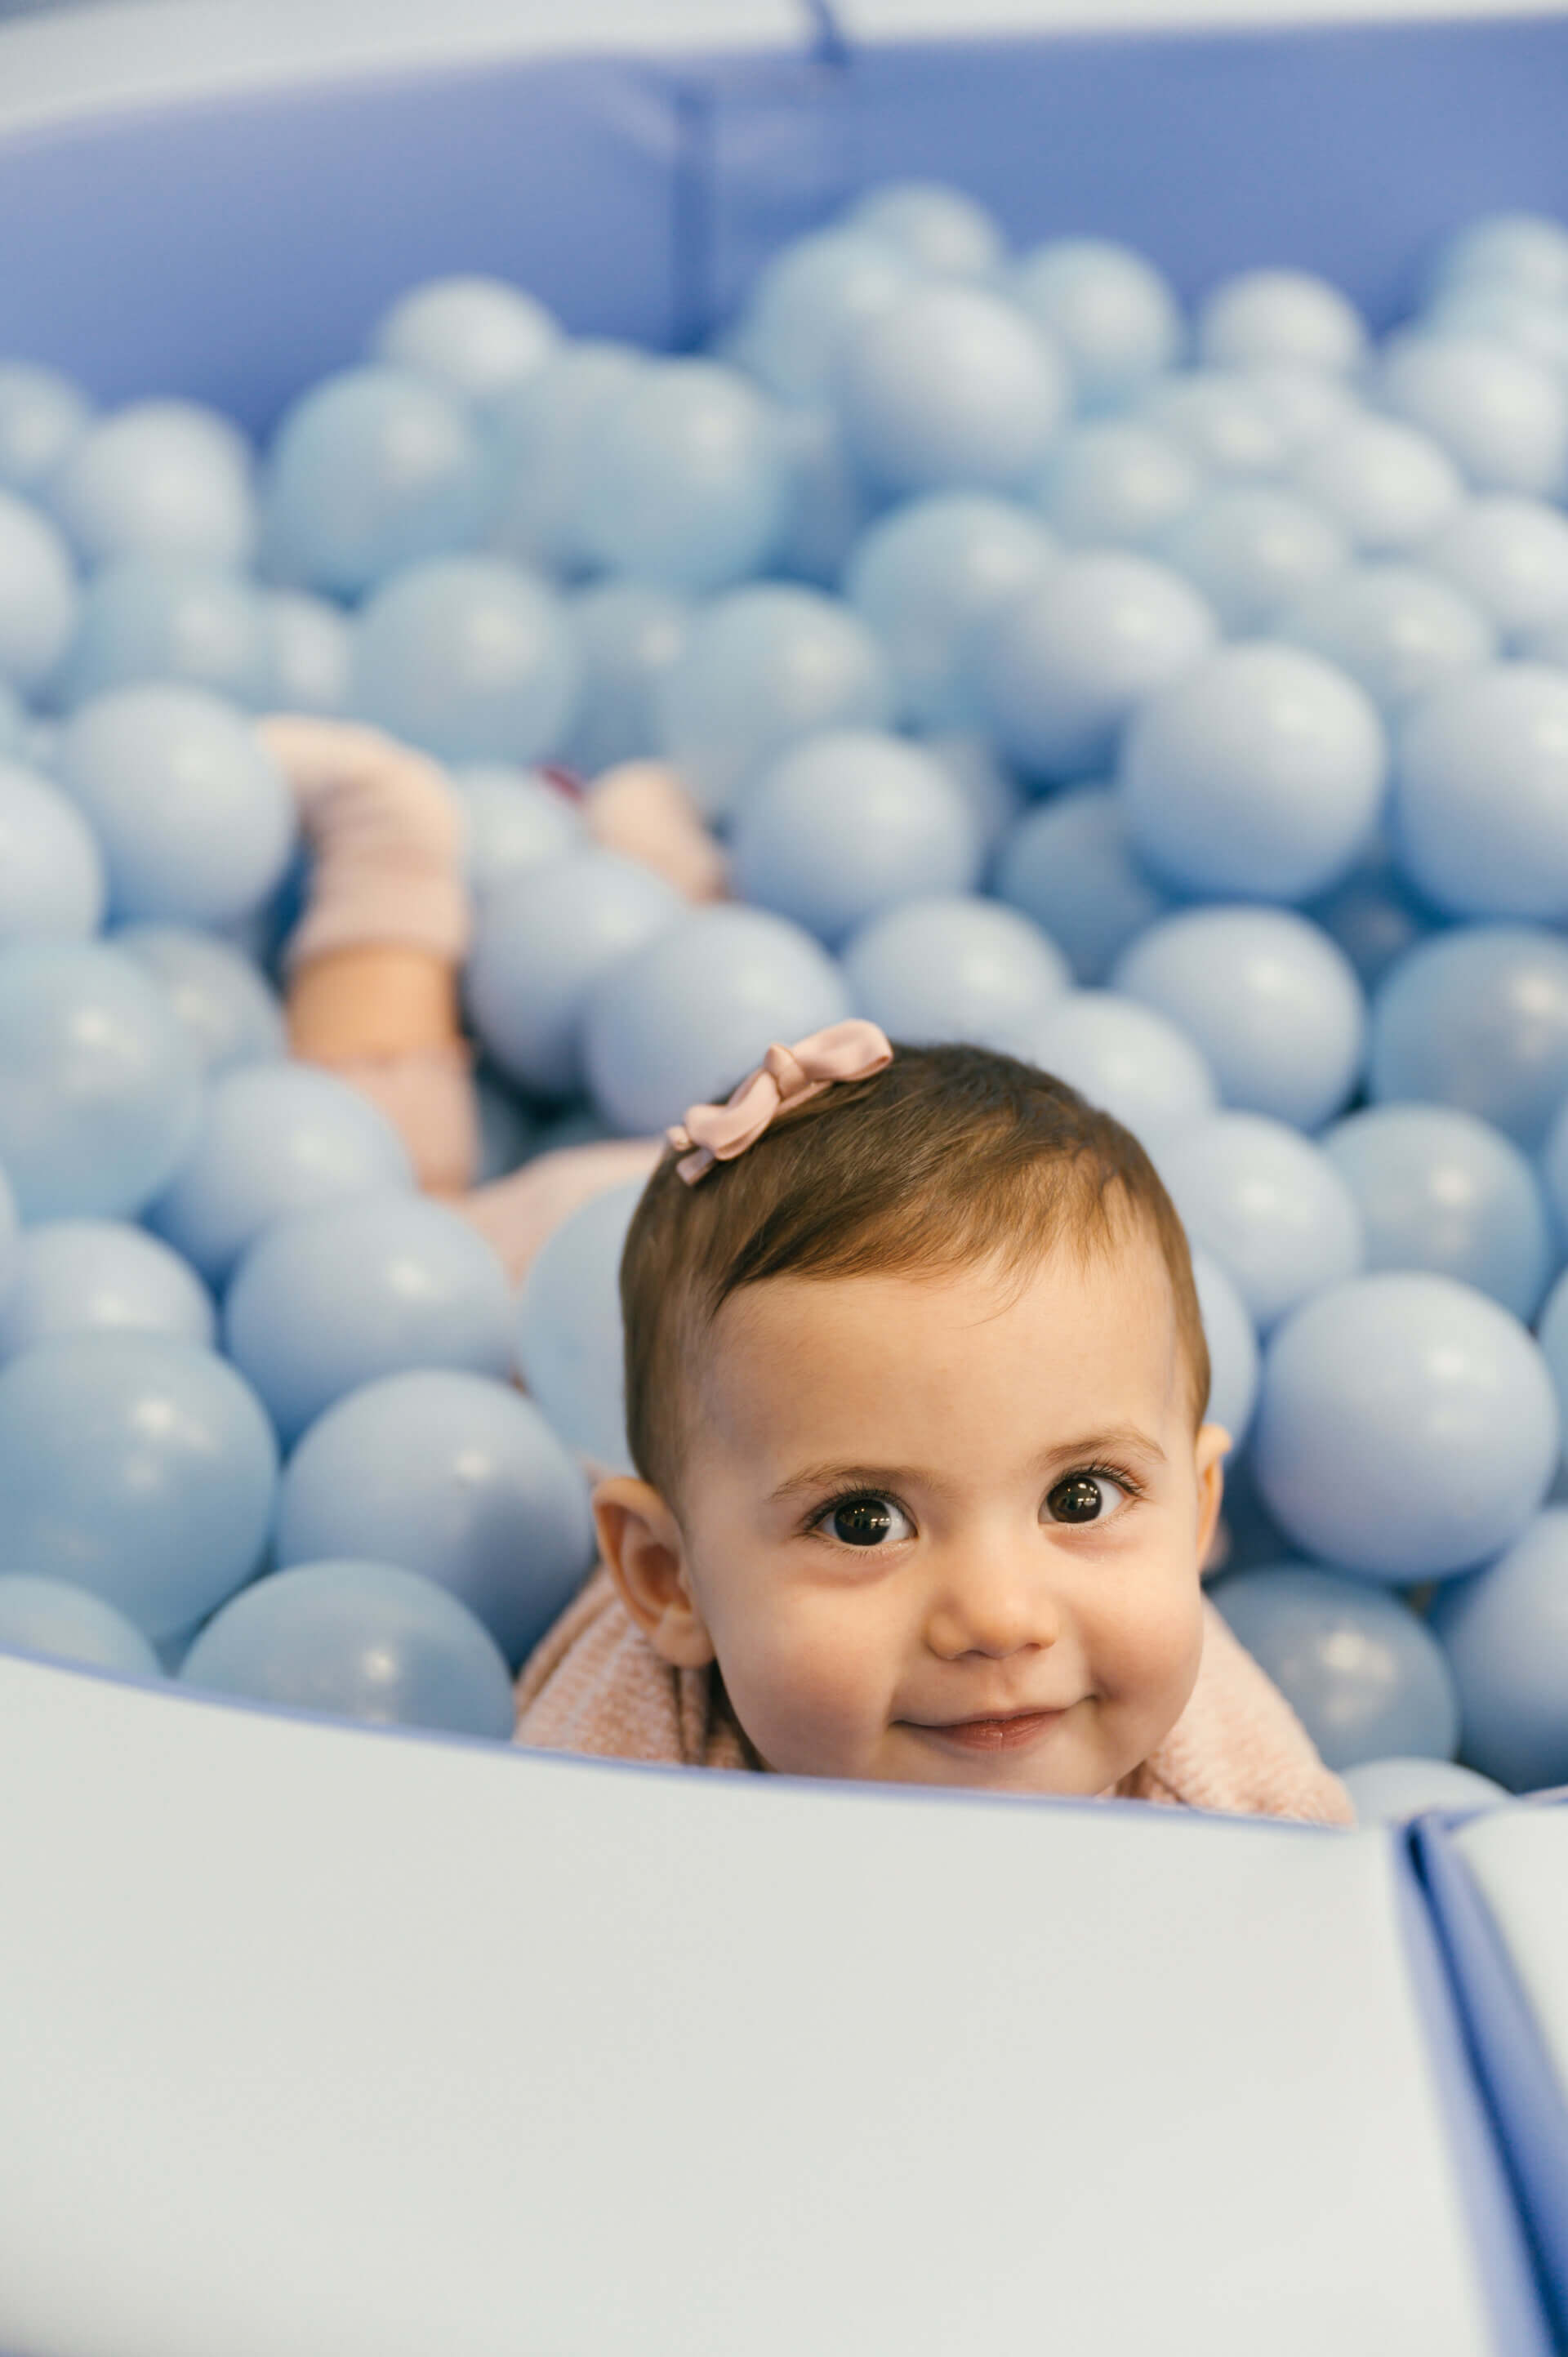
x=475, y=336
x=229, y=1013
x=368, y=470
x=629, y=636
x=1509, y=557
x=1386, y=484
x=173, y=477
x=1274, y=1004
x=685, y=1017
x=1362, y=1671
x=539, y=944
x=149, y=617
x=42, y=414
x=761, y=669
x=470, y=657
x=306, y=643
x=684, y=482
x=569, y=1337
x=539, y=443
x=1505, y=314
x=1554, y=1167
x=1501, y=416
x=1523, y=251
x=52, y=879
x=848, y=825
x=141, y=1466
x=1549, y=644
x=1303, y=403
x=71, y=1275
x=1218, y=417
x=949, y=388
x=1124, y=1058
x=1477, y=1018
x=927, y=576
x=1258, y=773
x=1392, y=1792
x=1505, y=1632
x=1551, y=1333
x=367, y=1642
x=1480, y=801
x=1060, y=672
x=508, y=1134
x=193, y=813
x=934, y=226
x=99, y=1090
x=1070, y=865
x=38, y=598
x=454, y=1476
x=953, y=967
x=10, y=1234
x=1113, y=316
x=512, y=819
x=338, y=1297
x=1439, y=1190
x=1268, y=1205
x=805, y=301
x=1234, y=1365
x=827, y=506
x=1398, y=631
x=1112, y=483
x=67, y=1623
x=17, y=725
x=1407, y=1428
x=995, y=798
x=1248, y=549
x=1280, y=319
x=273, y=1139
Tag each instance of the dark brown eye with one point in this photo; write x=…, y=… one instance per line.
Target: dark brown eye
x=863, y=1522
x=1080, y=1499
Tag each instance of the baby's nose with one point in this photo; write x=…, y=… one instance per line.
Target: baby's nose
x=994, y=1604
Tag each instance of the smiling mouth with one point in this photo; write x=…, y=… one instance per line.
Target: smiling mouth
x=1004, y=1732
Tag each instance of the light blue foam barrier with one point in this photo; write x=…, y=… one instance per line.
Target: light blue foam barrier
x=318, y=2038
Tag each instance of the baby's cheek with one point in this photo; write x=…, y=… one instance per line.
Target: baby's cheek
x=815, y=1666
x=1158, y=1638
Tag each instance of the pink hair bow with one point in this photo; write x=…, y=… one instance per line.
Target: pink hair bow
x=785, y=1076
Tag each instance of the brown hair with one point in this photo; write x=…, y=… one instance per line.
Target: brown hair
x=948, y=1156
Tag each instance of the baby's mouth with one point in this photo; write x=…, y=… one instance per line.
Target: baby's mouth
x=1005, y=1731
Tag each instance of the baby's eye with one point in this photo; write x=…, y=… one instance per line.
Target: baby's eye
x=865, y=1521
x=1088, y=1498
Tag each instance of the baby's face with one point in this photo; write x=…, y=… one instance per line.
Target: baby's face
x=913, y=1502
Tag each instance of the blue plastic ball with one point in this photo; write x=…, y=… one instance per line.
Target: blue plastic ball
x=1383, y=482
x=1302, y=404
x=194, y=814
x=38, y=599
x=685, y=1017
x=934, y=226
x=228, y=1012
x=1504, y=1632
x=828, y=508
x=1112, y=483
x=541, y=942
x=949, y=388
x=509, y=1134
x=1523, y=251
x=306, y=643
x=848, y=825
x=1509, y=557
x=454, y=1476
x=1477, y=1018
x=1481, y=802
x=100, y=1091
x=1258, y=773
x=569, y=1337
x=1234, y=1365
x=273, y=1139
x=141, y=1466
x=539, y=442
x=475, y=336
x=468, y=656
x=1113, y=316
x=629, y=636
x=953, y=967
x=42, y=414
x=1268, y=1205
x=1280, y=319
x=335, y=1297
x=173, y=477
x=370, y=470
x=17, y=725
x=512, y=819
x=1392, y=1792
x=1407, y=1428
x=685, y=484
x=150, y=617
x=1501, y=416
x=1398, y=630
x=807, y=298
x=1070, y=865
x=996, y=800
x=52, y=880
x=1362, y=1671
x=71, y=1275
x=1439, y=1190
x=64, y=1622
x=1218, y=417
x=1249, y=548
x=1554, y=1167
x=1123, y=1057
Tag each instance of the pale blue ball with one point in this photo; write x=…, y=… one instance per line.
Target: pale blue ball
x=953, y=967
x=1061, y=671
x=569, y=1339
x=42, y=414
x=685, y=1017
x=1385, y=483
x=71, y=1275
x=1272, y=1002
x=151, y=616
x=996, y=800
x=338, y=1297
x=1553, y=1166
x=761, y=669
x=1392, y=1792
x=470, y=656
x=229, y=1011
x=1128, y=1059
x=39, y=602
x=828, y=508
x=475, y=336
x=1510, y=557
x=1362, y=1671
x=684, y=484
x=1501, y=416
x=949, y=388
x=1280, y=319
x=1258, y=773
x=1249, y=548
x=140, y=1466
x=173, y=477
x=539, y=445
x=454, y=1476
x=273, y=1139
x=1407, y=1428
x=1476, y=1016
x=1507, y=315
x=1304, y=404
x=368, y=470
x=1114, y=317
x=17, y=725
x=1234, y=1365
x=52, y=879
x=65, y=1622
x=934, y=226
x=1112, y=483
x=1523, y=251
x=193, y=813
x=1549, y=644
x=10, y=1234
x=1218, y=417
x=806, y=298
x=539, y=944
x=306, y=643
x=1505, y=1632
x=1070, y=865
x=512, y=819
x=629, y=636
x=1480, y=801
x=509, y=1134
x=99, y=1090
x=1439, y=1190
x=1269, y=1206
x=1551, y=1331
x=848, y=824
x=927, y=576
x=1398, y=631
x=367, y=1642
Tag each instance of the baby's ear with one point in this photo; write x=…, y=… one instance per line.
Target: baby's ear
x=641, y=1542
x=1214, y=1444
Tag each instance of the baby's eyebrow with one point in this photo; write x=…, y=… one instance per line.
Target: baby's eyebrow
x=1125, y=1439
